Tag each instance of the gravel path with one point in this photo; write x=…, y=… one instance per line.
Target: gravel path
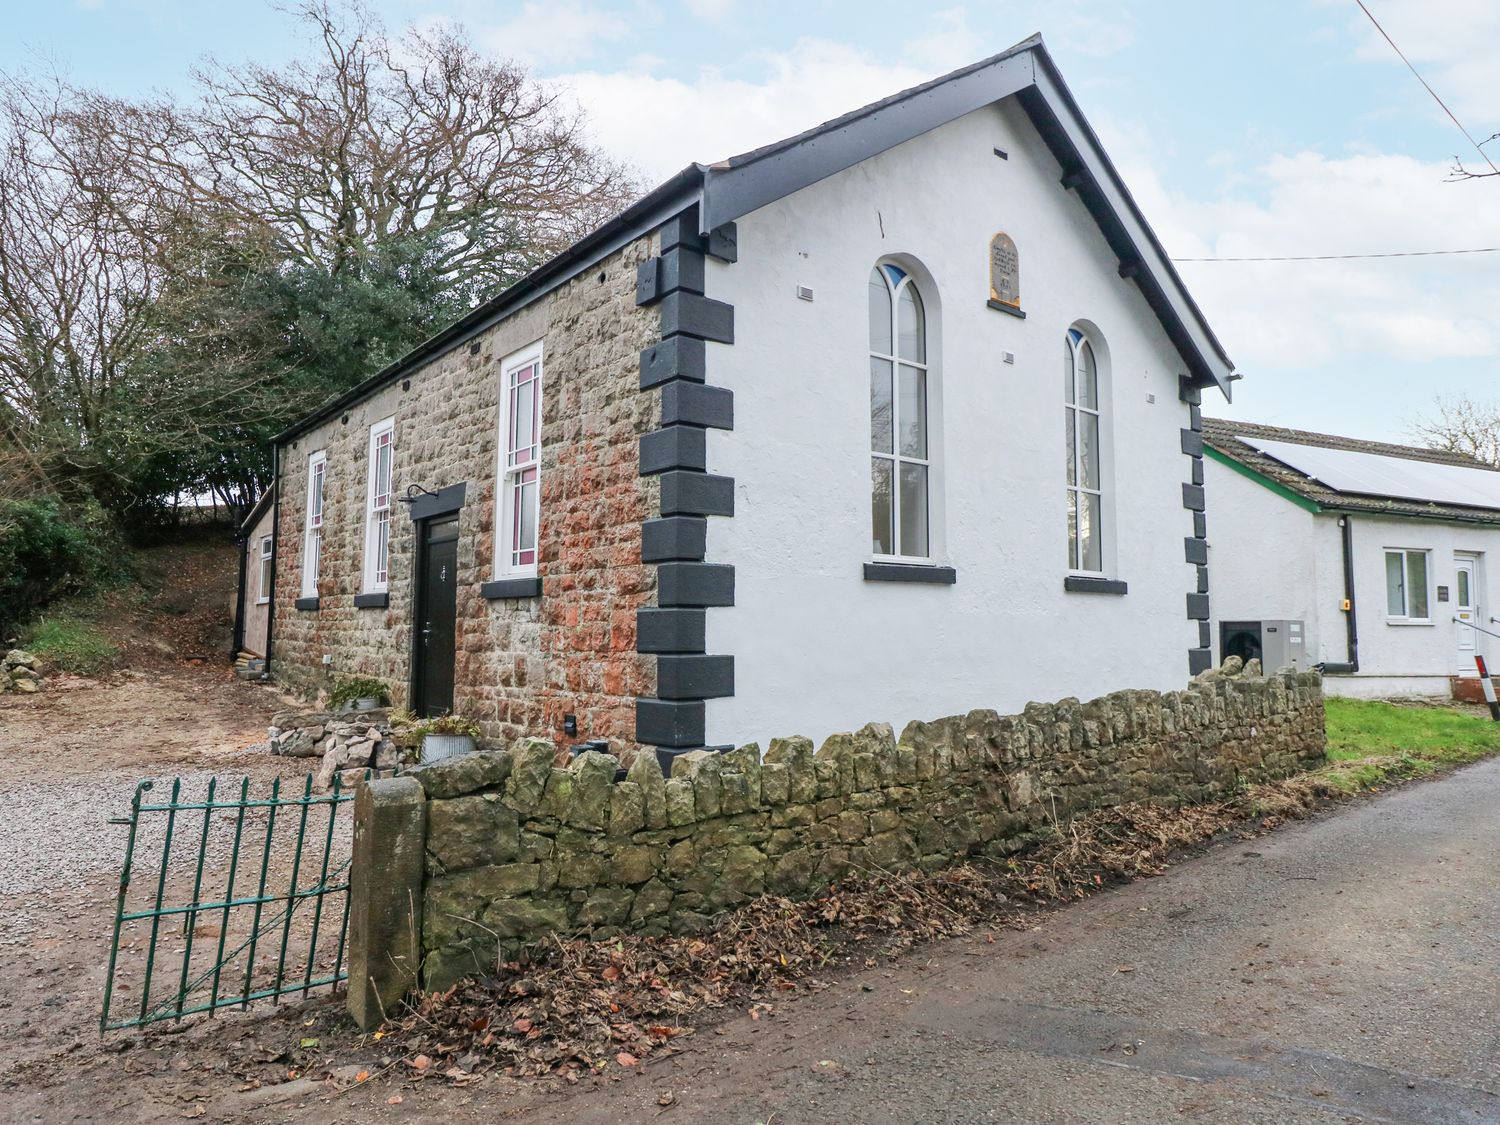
x=71, y=759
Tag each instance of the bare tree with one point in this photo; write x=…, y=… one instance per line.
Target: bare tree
x=178, y=278
x=1461, y=171
x=74, y=289
x=372, y=139
x=1463, y=425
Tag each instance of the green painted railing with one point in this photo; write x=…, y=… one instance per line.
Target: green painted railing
x=291, y=921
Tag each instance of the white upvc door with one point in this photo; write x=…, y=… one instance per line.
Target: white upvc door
x=1466, y=611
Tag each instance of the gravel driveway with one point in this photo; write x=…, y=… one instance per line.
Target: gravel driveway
x=71, y=759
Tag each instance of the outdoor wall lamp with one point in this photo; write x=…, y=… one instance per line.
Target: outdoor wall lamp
x=412, y=492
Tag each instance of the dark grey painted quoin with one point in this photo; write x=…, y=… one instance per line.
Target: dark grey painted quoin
x=1195, y=549
x=674, y=539
x=675, y=629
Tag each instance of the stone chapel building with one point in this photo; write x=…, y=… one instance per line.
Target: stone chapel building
x=892, y=419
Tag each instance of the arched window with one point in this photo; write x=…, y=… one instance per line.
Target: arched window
x=1085, y=472
x=900, y=460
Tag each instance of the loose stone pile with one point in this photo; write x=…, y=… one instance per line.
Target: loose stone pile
x=21, y=672
x=1236, y=668
x=349, y=743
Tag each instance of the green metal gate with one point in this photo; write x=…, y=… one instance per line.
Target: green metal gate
x=248, y=900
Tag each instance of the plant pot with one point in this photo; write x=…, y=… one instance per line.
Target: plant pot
x=366, y=703
x=439, y=747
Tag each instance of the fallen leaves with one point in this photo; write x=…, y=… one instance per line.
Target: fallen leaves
x=575, y=1007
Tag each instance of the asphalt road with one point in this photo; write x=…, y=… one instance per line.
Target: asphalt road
x=1346, y=969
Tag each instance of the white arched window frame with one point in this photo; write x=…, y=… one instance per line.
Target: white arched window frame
x=1086, y=424
x=901, y=455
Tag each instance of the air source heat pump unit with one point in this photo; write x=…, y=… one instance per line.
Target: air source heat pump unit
x=1276, y=644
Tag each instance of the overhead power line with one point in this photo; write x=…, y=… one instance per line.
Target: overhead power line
x=1346, y=257
x=1467, y=135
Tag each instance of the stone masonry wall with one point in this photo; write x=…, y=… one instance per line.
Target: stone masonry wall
x=521, y=664
x=518, y=849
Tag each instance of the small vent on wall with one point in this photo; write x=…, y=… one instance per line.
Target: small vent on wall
x=1008, y=357
x=804, y=293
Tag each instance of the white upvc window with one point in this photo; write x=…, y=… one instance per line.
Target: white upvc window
x=312, y=539
x=900, y=460
x=518, y=478
x=263, y=592
x=1085, y=432
x=378, y=507
x=1406, y=587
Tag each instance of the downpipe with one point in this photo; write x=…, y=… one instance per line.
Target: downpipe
x=1351, y=619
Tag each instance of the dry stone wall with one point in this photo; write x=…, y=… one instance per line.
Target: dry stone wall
x=521, y=664
x=518, y=848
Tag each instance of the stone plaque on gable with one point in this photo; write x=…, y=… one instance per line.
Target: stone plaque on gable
x=1005, y=271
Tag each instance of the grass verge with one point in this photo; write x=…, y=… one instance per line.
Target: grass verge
x=1371, y=744
x=71, y=644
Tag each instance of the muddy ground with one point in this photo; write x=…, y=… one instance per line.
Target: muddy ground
x=70, y=760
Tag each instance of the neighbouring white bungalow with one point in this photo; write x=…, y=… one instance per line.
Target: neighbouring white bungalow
x=1373, y=561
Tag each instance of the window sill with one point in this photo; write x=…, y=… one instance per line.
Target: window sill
x=306, y=603
x=511, y=588
x=1404, y=622
x=1001, y=306
x=1081, y=584
x=262, y=601
x=910, y=572
x=376, y=599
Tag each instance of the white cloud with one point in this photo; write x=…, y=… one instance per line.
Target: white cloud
x=1305, y=315
x=1451, y=43
x=556, y=33
x=1084, y=33
x=713, y=115
x=712, y=11
x=947, y=42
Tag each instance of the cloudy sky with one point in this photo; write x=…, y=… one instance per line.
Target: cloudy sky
x=1286, y=127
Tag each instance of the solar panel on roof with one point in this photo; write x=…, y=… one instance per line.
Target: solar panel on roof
x=1373, y=474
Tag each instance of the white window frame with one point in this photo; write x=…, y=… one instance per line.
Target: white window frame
x=509, y=469
x=1404, y=554
x=378, y=508
x=312, y=534
x=267, y=557
x=1074, y=411
x=895, y=457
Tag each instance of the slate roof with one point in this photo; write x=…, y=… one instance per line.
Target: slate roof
x=1223, y=435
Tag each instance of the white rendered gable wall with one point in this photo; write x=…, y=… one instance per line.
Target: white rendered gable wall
x=818, y=649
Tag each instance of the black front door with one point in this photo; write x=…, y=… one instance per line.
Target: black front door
x=437, y=586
